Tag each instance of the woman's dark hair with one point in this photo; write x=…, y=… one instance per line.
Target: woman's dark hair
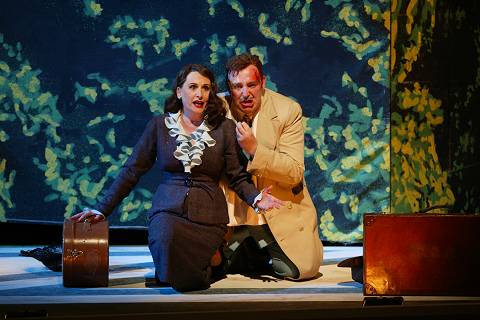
x=215, y=111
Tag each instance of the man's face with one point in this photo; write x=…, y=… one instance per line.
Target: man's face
x=246, y=88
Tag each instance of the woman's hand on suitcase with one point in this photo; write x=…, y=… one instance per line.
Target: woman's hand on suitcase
x=268, y=201
x=88, y=215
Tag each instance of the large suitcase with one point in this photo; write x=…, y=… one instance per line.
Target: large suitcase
x=85, y=254
x=421, y=254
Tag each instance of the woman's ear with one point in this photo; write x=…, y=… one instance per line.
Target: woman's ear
x=179, y=96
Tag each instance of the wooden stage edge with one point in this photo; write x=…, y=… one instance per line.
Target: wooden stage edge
x=246, y=310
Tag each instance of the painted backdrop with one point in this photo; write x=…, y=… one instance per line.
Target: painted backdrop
x=79, y=80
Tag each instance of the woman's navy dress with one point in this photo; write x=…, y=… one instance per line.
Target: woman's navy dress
x=188, y=217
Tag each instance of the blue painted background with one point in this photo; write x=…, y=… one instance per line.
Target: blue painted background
x=79, y=80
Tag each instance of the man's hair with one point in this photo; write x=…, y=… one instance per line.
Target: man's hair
x=237, y=63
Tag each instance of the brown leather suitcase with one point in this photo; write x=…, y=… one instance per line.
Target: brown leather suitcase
x=420, y=254
x=85, y=254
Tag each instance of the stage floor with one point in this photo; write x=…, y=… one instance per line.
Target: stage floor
x=29, y=289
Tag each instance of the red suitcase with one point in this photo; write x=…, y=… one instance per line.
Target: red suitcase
x=421, y=254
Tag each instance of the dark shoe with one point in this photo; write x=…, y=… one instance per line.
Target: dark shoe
x=356, y=265
x=155, y=283
x=351, y=262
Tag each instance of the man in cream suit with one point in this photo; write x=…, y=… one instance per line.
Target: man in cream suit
x=270, y=132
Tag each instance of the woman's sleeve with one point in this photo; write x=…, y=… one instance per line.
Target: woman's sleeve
x=239, y=179
x=140, y=161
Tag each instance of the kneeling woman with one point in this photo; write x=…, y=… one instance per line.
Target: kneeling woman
x=194, y=144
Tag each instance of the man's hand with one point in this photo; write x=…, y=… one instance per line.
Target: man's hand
x=268, y=201
x=246, y=139
x=88, y=215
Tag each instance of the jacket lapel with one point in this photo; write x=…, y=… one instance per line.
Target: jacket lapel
x=267, y=125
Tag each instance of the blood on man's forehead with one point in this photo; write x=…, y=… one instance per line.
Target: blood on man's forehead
x=253, y=72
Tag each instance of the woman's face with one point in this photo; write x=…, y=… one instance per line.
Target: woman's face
x=194, y=94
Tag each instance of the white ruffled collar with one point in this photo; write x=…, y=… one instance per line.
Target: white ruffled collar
x=189, y=146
